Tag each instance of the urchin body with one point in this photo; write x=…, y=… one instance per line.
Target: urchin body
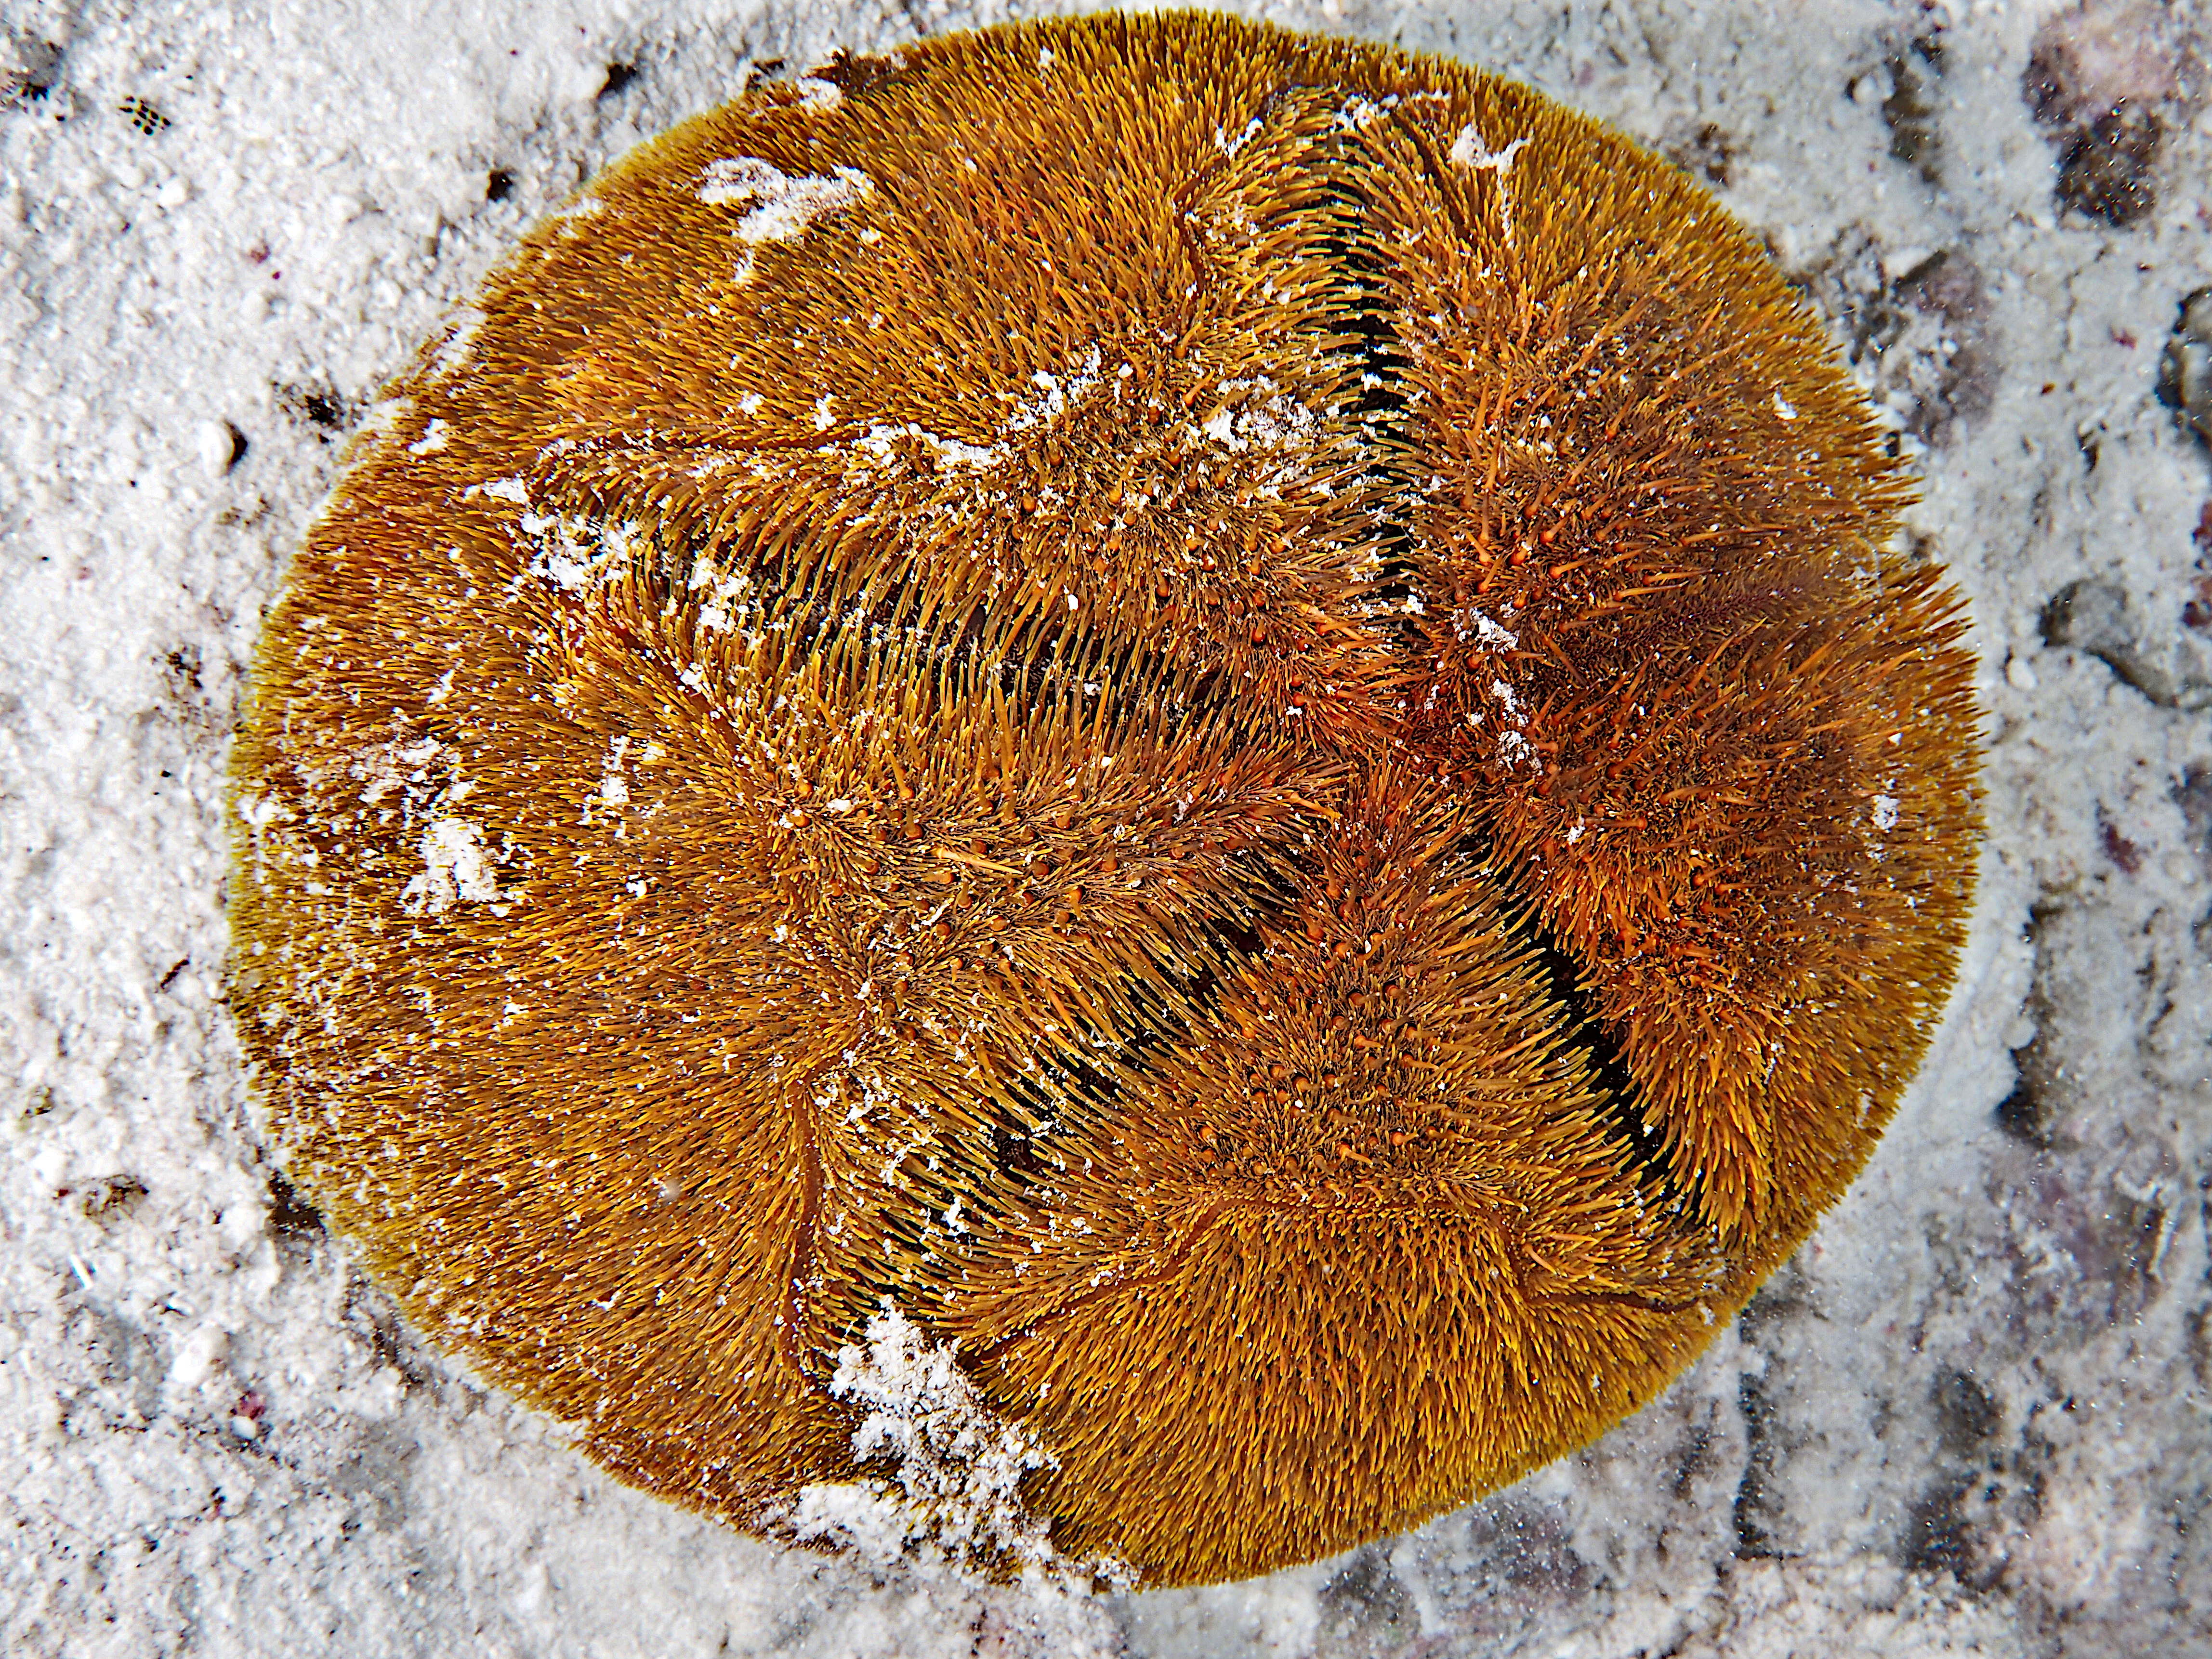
x=1223, y=714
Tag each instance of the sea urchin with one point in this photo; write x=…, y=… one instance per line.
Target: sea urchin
x=1208, y=733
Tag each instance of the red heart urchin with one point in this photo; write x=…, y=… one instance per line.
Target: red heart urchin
x=1216, y=719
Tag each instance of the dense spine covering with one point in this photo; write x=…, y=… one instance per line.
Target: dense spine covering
x=1228, y=716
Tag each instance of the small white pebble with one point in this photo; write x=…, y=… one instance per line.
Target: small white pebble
x=212, y=439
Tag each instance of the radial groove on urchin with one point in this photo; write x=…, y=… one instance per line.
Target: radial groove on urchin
x=1189, y=761
x=1584, y=1029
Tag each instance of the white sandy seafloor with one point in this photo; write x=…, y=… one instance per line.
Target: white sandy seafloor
x=1974, y=1415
